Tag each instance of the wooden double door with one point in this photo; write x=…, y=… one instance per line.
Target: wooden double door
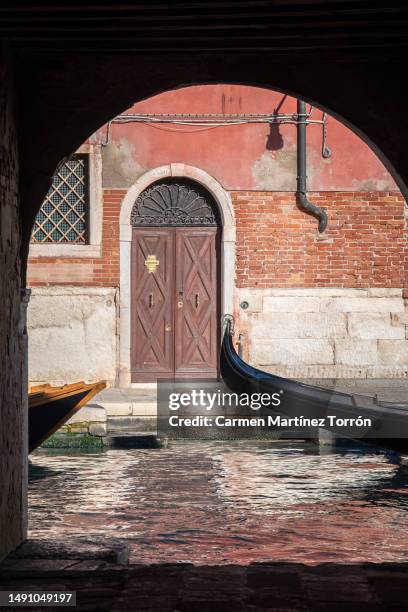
x=175, y=303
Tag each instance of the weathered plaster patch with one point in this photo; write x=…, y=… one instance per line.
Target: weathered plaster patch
x=120, y=168
x=372, y=184
x=275, y=170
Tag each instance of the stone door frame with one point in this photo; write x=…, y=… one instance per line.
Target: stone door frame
x=228, y=244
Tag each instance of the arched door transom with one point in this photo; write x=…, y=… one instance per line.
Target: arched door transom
x=174, y=203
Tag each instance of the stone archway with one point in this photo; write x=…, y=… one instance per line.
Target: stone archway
x=228, y=241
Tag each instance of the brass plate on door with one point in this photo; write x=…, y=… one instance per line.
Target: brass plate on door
x=151, y=263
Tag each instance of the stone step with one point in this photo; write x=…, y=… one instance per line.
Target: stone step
x=115, y=394
x=130, y=408
x=149, y=386
x=131, y=439
x=131, y=423
x=139, y=401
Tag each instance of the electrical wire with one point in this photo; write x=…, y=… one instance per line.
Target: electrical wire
x=210, y=121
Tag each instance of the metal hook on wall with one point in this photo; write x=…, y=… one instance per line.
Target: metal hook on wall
x=326, y=150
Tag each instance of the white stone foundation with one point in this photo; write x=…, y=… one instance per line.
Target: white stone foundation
x=72, y=334
x=298, y=333
x=325, y=333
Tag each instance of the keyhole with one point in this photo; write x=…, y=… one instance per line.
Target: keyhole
x=197, y=300
x=151, y=300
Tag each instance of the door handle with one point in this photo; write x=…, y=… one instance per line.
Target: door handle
x=151, y=300
x=180, y=300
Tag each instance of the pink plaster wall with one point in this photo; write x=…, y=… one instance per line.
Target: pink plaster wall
x=246, y=157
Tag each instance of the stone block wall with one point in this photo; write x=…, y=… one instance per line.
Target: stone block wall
x=72, y=334
x=325, y=333
x=13, y=379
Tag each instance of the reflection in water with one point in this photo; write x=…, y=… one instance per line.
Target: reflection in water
x=221, y=502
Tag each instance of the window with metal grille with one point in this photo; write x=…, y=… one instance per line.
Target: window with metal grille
x=63, y=216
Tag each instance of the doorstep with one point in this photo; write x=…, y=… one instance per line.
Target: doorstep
x=137, y=401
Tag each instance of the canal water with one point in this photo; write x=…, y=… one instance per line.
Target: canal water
x=226, y=502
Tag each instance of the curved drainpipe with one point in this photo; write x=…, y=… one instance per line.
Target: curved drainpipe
x=301, y=193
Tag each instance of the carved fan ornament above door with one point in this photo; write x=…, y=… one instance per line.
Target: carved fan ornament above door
x=171, y=203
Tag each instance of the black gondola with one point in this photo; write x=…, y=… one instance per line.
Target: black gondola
x=300, y=399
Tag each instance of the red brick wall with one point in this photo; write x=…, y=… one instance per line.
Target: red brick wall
x=86, y=271
x=278, y=245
